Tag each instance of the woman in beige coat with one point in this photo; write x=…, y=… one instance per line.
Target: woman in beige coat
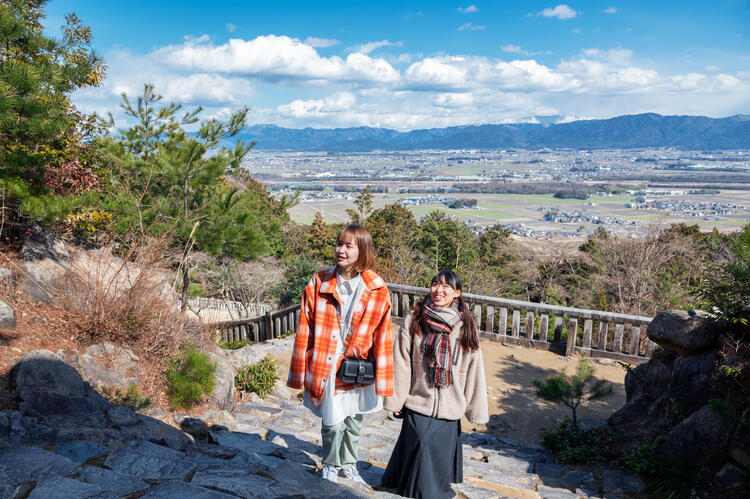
x=438, y=378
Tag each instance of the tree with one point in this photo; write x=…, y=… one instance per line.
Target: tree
x=573, y=391
x=363, y=202
x=394, y=234
x=447, y=243
x=39, y=127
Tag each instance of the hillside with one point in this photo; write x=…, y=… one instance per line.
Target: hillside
x=624, y=132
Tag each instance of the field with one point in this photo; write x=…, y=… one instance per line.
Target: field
x=525, y=209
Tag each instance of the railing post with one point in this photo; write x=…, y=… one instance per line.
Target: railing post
x=588, y=325
x=478, y=316
x=635, y=339
x=617, y=344
x=489, y=326
x=268, y=323
x=558, y=329
x=572, y=336
x=502, y=327
x=529, y=327
x=516, y=326
x=543, y=327
x=602, y=344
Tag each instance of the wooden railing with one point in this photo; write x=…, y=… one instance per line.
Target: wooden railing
x=261, y=328
x=565, y=330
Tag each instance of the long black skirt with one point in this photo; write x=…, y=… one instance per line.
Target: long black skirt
x=427, y=457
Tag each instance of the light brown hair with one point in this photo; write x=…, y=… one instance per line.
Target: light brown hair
x=363, y=240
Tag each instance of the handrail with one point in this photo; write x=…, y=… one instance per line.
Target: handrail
x=536, y=325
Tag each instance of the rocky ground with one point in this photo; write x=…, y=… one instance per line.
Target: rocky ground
x=65, y=440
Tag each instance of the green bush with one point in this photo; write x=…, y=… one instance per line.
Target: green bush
x=665, y=478
x=260, y=377
x=234, y=345
x=131, y=398
x=572, y=444
x=190, y=375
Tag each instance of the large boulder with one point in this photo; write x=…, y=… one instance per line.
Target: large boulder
x=47, y=386
x=44, y=257
x=690, y=386
x=704, y=433
x=686, y=332
x=224, y=394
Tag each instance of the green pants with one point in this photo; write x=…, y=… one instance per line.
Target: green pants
x=341, y=442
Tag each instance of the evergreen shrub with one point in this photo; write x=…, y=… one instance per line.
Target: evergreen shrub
x=190, y=375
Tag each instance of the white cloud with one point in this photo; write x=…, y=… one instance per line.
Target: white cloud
x=320, y=42
x=561, y=11
x=231, y=28
x=610, y=10
x=337, y=103
x=513, y=49
x=471, y=27
x=366, y=48
x=712, y=68
x=453, y=100
x=273, y=58
x=616, y=56
x=576, y=31
x=471, y=9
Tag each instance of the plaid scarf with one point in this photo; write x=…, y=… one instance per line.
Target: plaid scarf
x=436, y=347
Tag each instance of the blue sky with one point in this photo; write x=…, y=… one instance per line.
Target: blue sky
x=408, y=64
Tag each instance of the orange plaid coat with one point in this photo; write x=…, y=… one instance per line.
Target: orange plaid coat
x=315, y=344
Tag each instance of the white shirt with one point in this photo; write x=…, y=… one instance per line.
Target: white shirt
x=334, y=408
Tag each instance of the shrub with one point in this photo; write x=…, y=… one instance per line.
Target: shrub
x=573, y=390
x=234, y=345
x=131, y=398
x=578, y=445
x=190, y=376
x=260, y=377
x=669, y=479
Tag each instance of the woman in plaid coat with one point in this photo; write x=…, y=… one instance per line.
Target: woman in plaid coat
x=345, y=312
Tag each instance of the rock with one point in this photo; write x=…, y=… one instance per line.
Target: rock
x=7, y=316
x=150, y=462
x=156, y=431
x=193, y=426
x=506, y=463
x=690, y=386
x=46, y=386
x=233, y=481
x=212, y=450
x=40, y=278
x=119, y=483
x=121, y=415
x=224, y=394
x=294, y=479
x=80, y=451
x=549, y=469
x=153, y=411
x=578, y=477
x=59, y=487
x=685, y=332
x=618, y=482
x=6, y=276
x=221, y=417
x=703, y=433
x=173, y=488
x=729, y=477
x=38, y=243
x=27, y=464
x=101, y=436
x=547, y=492
x=244, y=441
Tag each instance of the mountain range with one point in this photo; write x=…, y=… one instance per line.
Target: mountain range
x=621, y=132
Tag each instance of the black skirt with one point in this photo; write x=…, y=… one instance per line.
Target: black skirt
x=427, y=457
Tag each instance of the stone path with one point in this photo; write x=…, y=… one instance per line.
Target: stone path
x=65, y=441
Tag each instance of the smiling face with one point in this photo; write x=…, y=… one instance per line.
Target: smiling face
x=347, y=253
x=442, y=293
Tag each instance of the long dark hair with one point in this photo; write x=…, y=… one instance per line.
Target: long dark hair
x=469, y=339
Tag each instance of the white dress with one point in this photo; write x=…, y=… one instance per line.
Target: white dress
x=334, y=408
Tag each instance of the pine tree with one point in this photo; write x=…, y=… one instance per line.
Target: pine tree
x=38, y=124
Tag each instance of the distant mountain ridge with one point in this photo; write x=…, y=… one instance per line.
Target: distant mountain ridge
x=621, y=132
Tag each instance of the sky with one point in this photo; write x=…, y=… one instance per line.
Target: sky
x=408, y=65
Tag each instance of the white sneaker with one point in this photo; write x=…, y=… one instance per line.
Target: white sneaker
x=330, y=473
x=352, y=474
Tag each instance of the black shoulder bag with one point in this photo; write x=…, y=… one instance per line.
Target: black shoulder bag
x=359, y=371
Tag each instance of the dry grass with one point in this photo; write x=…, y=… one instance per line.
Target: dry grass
x=101, y=297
